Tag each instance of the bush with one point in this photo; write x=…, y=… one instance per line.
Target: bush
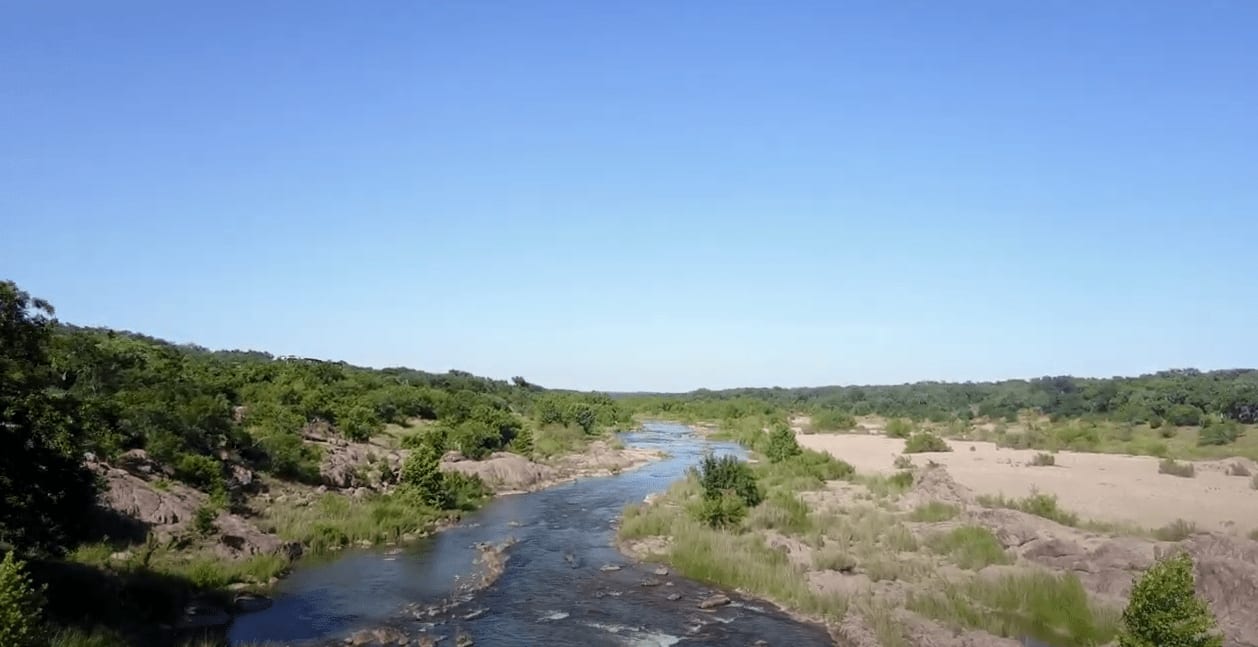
x=1043, y=459
x=831, y=420
x=203, y=520
x=1184, y=415
x=832, y=559
x=201, y=472
x=20, y=606
x=522, y=444
x=719, y=476
x=902, y=462
x=1220, y=433
x=1175, y=468
x=725, y=511
x=925, y=442
x=421, y=473
x=1177, y=530
x=899, y=428
x=288, y=457
x=463, y=491
x=1165, y=611
x=1237, y=469
x=782, y=444
x=901, y=480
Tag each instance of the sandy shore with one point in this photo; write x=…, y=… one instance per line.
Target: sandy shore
x=1107, y=487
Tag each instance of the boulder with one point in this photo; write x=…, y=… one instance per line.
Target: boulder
x=714, y=601
x=505, y=472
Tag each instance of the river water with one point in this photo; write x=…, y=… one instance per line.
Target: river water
x=553, y=591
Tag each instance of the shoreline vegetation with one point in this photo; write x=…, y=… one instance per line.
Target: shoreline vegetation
x=151, y=489
x=913, y=557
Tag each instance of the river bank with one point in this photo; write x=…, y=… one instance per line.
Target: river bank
x=912, y=557
x=562, y=580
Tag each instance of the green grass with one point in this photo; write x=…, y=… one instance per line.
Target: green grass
x=1051, y=608
x=934, y=511
x=336, y=521
x=1045, y=505
x=924, y=441
x=833, y=559
x=783, y=512
x=970, y=547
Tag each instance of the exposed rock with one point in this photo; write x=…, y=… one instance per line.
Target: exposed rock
x=137, y=461
x=650, y=581
x=1227, y=577
x=714, y=601
x=249, y=603
x=381, y=636
x=661, y=571
x=673, y=597
x=354, y=465
x=505, y=472
x=239, y=538
x=241, y=477
x=170, y=507
x=202, y=615
x=607, y=568
x=936, y=484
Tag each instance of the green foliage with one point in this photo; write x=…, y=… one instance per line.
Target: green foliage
x=724, y=511
x=782, y=444
x=1184, y=415
x=1175, y=468
x=358, y=422
x=934, y=511
x=902, y=462
x=727, y=474
x=200, y=472
x=899, y=428
x=45, y=493
x=421, y=473
x=781, y=511
x=832, y=420
x=902, y=480
x=20, y=606
x=1038, y=504
x=970, y=547
x=203, y=520
x=1165, y=611
x=522, y=444
x=925, y=441
x=1220, y=433
x=464, y=491
x=1043, y=459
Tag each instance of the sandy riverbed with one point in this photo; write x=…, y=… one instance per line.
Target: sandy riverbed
x=1108, y=487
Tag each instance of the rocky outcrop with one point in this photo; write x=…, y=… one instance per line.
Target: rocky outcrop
x=1227, y=577
x=168, y=508
x=353, y=465
x=503, y=471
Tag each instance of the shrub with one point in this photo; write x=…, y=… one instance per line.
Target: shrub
x=522, y=444
x=359, y=423
x=1177, y=530
x=1184, y=415
x=832, y=559
x=902, y=462
x=201, y=472
x=1237, y=469
x=421, y=473
x=20, y=603
x=901, y=480
x=203, y=520
x=1155, y=422
x=831, y=420
x=1038, y=504
x=725, y=511
x=1175, y=468
x=288, y=457
x=1165, y=611
x=934, y=511
x=727, y=474
x=899, y=428
x=1220, y=433
x=463, y=491
x=925, y=442
x=1043, y=459
x=782, y=444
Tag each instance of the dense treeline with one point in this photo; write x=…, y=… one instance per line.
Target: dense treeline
x=1180, y=397
x=67, y=392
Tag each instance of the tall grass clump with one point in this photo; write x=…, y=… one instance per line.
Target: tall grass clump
x=807, y=470
x=832, y=420
x=899, y=428
x=1038, y=504
x=1051, y=608
x=336, y=521
x=934, y=511
x=925, y=441
x=1237, y=469
x=781, y=511
x=1043, y=459
x=1176, y=468
x=970, y=547
x=1177, y=530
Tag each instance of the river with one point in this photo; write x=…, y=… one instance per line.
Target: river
x=553, y=590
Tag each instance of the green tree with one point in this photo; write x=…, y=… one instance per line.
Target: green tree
x=45, y=492
x=523, y=443
x=719, y=476
x=782, y=444
x=422, y=474
x=1165, y=611
x=20, y=603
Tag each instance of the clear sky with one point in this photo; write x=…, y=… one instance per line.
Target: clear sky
x=645, y=195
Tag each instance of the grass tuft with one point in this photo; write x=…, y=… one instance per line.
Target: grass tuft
x=970, y=547
x=1177, y=530
x=934, y=511
x=1175, y=468
x=1043, y=459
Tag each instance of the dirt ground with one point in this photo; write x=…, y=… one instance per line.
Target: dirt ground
x=1106, y=487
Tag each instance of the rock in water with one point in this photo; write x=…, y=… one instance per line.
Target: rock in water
x=713, y=601
x=249, y=603
x=661, y=571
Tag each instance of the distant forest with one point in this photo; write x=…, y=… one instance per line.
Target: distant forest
x=1181, y=397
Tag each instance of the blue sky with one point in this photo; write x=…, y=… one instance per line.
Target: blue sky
x=645, y=195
